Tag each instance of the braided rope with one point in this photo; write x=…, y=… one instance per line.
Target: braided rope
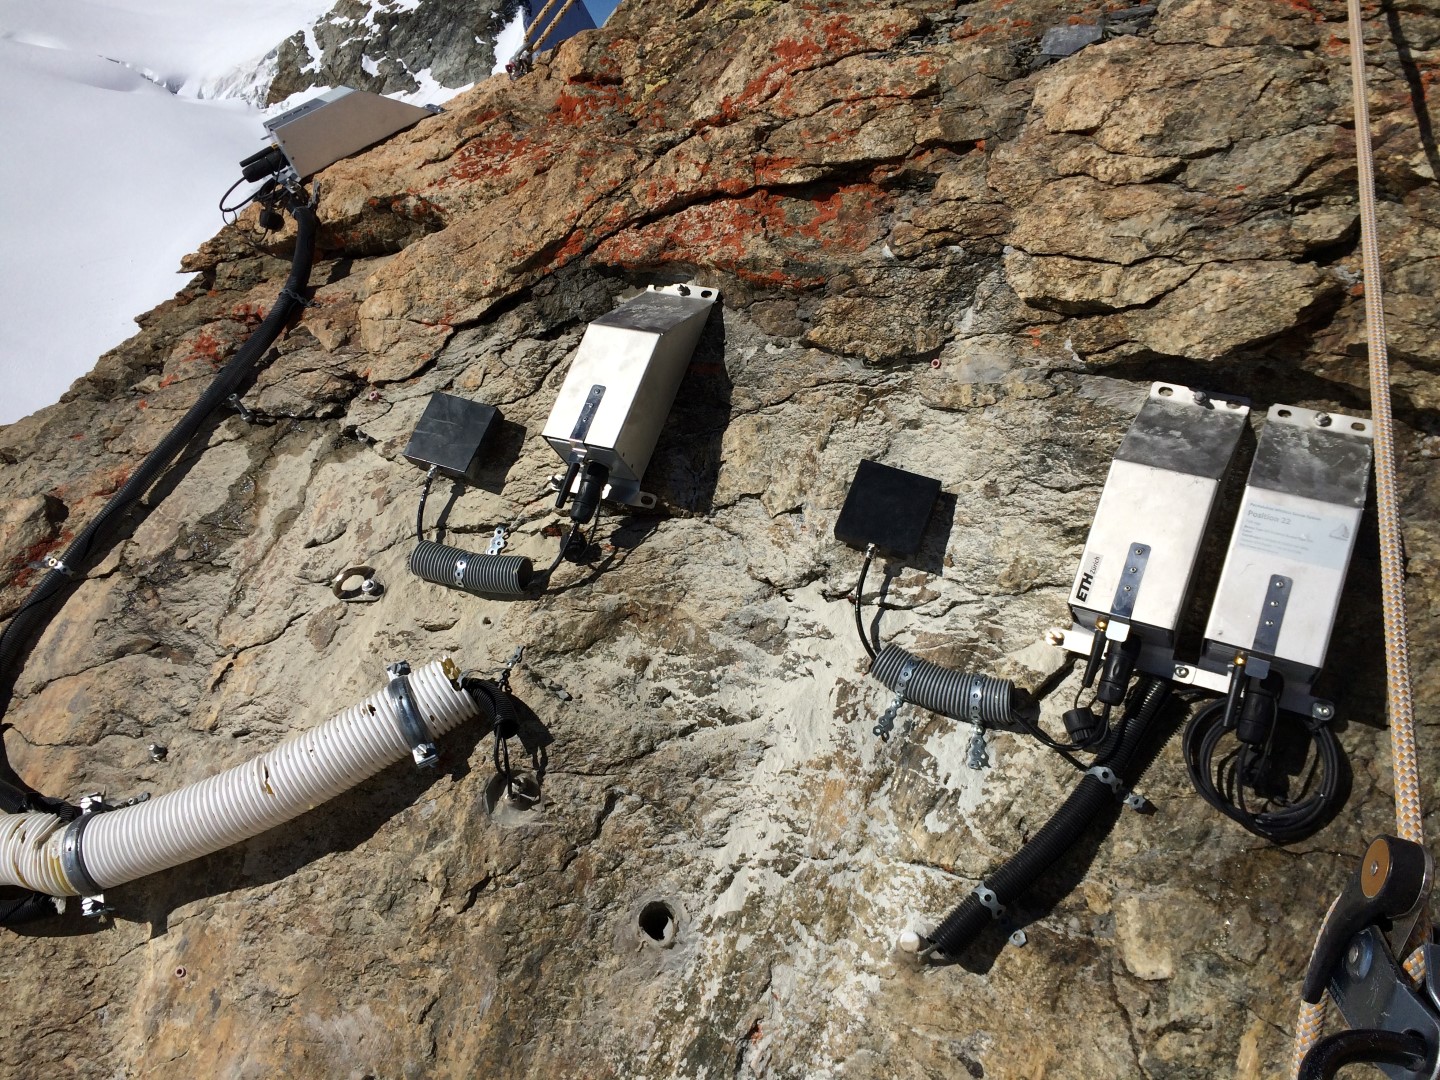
x=1408, y=824
x=535, y=22
x=554, y=24
x=1408, y=815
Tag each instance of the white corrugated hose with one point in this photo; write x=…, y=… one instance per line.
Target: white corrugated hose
x=297, y=775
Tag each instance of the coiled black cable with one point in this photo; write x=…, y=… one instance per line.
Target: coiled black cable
x=1062, y=831
x=16, y=795
x=1224, y=784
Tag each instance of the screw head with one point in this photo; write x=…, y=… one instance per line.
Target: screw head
x=1182, y=672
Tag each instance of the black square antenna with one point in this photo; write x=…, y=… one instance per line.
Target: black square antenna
x=887, y=507
x=449, y=435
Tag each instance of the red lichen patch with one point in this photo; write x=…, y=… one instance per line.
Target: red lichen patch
x=588, y=101
x=496, y=155
x=764, y=238
x=819, y=42
x=250, y=314
x=109, y=481
x=204, y=346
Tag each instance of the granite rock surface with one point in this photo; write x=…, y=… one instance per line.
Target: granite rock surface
x=935, y=251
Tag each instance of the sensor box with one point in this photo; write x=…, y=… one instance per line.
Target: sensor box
x=1289, y=552
x=887, y=507
x=448, y=436
x=338, y=123
x=1155, y=509
x=623, y=380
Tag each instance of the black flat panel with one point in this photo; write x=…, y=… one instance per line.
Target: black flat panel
x=886, y=507
x=449, y=435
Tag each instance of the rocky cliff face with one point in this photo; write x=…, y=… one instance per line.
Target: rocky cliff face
x=933, y=253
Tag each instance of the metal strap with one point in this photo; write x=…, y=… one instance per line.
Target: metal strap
x=1106, y=776
x=989, y=901
x=72, y=857
x=412, y=728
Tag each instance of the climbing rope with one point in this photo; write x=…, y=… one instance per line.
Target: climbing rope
x=1408, y=818
x=554, y=25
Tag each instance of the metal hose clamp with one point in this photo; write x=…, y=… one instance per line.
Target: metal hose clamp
x=422, y=749
x=460, y=567
x=977, y=696
x=72, y=853
x=58, y=566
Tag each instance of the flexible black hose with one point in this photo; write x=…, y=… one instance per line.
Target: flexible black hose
x=484, y=575
x=19, y=906
x=36, y=609
x=960, y=695
x=1060, y=833
x=1327, y=1057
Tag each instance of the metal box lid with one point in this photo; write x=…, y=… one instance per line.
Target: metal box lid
x=336, y=124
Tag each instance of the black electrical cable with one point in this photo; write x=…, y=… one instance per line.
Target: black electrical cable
x=564, y=547
x=859, y=591
x=15, y=794
x=424, y=495
x=1223, y=785
x=1058, y=835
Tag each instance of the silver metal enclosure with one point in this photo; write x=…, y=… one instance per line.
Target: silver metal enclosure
x=337, y=124
x=1155, y=509
x=622, y=382
x=1285, y=568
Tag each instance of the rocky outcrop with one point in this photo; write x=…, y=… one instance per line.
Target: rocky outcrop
x=392, y=46
x=932, y=254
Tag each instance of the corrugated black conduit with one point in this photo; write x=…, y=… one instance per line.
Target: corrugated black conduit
x=960, y=695
x=456, y=568
x=15, y=795
x=1061, y=832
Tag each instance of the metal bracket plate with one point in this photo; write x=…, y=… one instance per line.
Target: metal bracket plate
x=1129, y=587
x=1272, y=614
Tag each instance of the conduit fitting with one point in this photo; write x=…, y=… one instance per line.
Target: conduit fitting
x=98, y=851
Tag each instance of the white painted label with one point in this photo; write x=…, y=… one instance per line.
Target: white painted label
x=1315, y=538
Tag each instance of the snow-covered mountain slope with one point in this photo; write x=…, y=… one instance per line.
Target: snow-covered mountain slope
x=124, y=122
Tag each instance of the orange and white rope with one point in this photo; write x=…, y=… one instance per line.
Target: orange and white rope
x=1408, y=814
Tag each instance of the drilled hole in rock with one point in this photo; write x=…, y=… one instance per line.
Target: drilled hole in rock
x=657, y=922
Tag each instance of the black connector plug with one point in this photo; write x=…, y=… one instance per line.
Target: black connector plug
x=593, y=479
x=1115, y=674
x=1258, y=709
